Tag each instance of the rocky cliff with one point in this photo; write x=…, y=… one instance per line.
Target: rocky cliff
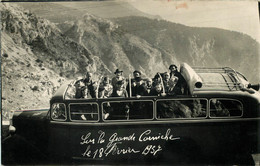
x=209, y=47
x=37, y=58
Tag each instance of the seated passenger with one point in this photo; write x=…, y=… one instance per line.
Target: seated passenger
x=166, y=81
x=149, y=83
x=81, y=90
x=118, y=77
x=172, y=83
x=90, y=84
x=156, y=80
x=105, y=88
x=157, y=90
x=138, y=87
x=119, y=90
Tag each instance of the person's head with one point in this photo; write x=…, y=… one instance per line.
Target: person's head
x=137, y=74
x=166, y=76
x=157, y=78
x=138, y=81
x=149, y=82
x=106, y=80
x=120, y=85
x=158, y=88
x=173, y=68
x=118, y=72
x=89, y=75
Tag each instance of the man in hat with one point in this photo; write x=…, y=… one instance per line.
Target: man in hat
x=118, y=77
x=181, y=83
x=137, y=85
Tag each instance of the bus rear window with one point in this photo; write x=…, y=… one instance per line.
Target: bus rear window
x=127, y=110
x=225, y=108
x=185, y=108
x=84, y=112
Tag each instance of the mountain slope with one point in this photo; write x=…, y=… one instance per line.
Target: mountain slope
x=210, y=47
x=37, y=58
x=116, y=48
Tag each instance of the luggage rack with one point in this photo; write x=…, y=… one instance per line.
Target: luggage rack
x=235, y=83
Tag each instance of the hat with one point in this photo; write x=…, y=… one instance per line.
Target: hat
x=118, y=71
x=137, y=71
x=171, y=66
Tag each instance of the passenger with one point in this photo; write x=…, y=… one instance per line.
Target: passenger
x=172, y=83
x=138, y=87
x=149, y=86
x=119, y=90
x=118, y=77
x=156, y=80
x=157, y=90
x=166, y=81
x=180, y=87
x=90, y=84
x=81, y=90
x=105, y=88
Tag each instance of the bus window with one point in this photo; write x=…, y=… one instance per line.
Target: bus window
x=225, y=108
x=84, y=112
x=185, y=108
x=127, y=110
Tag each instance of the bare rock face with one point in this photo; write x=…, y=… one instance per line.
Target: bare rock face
x=37, y=58
x=116, y=47
x=208, y=47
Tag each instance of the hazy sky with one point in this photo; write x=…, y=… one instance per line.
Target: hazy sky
x=239, y=16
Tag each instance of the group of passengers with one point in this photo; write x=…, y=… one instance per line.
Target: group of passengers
x=171, y=83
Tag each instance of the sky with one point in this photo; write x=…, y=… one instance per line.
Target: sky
x=241, y=16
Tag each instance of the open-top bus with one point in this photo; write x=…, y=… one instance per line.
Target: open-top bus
x=217, y=121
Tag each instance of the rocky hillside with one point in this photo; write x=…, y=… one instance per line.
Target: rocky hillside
x=209, y=47
x=37, y=58
x=118, y=49
x=175, y=42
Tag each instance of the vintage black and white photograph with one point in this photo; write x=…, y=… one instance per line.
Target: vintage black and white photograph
x=130, y=82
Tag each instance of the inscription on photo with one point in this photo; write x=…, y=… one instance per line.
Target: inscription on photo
x=116, y=144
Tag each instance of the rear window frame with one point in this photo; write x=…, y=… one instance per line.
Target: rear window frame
x=226, y=117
